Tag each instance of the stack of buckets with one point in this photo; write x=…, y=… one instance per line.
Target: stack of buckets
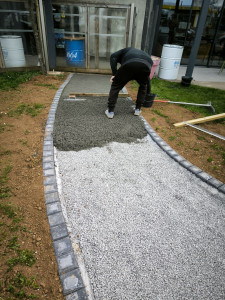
x=170, y=61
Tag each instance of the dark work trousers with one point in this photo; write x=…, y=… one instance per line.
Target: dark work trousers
x=132, y=71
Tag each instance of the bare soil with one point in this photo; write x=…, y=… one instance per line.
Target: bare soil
x=201, y=149
x=21, y=147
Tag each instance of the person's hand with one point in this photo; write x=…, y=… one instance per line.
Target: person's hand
x=111, y=79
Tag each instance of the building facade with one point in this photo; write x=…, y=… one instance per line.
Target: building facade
x=81, y=35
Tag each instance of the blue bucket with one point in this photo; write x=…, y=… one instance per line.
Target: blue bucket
x=75, y=53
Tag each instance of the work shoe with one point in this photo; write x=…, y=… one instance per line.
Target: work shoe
x=137, y=112
x=110, y=114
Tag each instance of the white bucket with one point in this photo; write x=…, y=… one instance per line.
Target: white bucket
x=13, y=52
x=170, y=61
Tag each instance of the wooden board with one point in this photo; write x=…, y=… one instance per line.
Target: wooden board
x=72, y=95
x=201, y=120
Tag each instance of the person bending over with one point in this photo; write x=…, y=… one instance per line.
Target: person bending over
x=135, y=65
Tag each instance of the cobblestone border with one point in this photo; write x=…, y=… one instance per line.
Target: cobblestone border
x=220, y=186
x=68, y=269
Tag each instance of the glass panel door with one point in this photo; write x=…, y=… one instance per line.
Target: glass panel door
x=70, y=27
x=108, y=33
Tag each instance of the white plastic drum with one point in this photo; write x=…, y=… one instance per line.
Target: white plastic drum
x=13, y=52
x=170, y=61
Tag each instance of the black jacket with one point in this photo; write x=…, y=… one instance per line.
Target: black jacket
x=128, y=55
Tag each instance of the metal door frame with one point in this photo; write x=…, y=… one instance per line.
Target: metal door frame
x=128, y=34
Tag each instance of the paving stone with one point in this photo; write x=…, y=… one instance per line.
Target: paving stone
x=48, y=152
x=222, y=188
x=172, y=153
x=48, y=131
x=186, y=164
x=48, y=143
x=49, y=172
x=53, y=208
x=52, y=197
x=154, y=134
x=157, y=139
x=204, y=176
x=195, y=169
x=214, y=182
x=56, y=219
x=47, y=159
x=49, y=180
x=162, y=143
x=66, y=263
x=71, y=282
x=79, y=295
x=166, y=148
x=50, y=188
x=48, y=148
x=59, y=232
x=62, y=246
x=48, y=138
x=178, y=158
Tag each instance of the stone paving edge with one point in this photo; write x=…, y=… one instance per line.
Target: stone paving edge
x=220, y=186
x=68, y=269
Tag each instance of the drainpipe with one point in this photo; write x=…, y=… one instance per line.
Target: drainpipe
x=186, y=80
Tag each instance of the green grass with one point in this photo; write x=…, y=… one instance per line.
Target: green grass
x=4, y=190
x=210, y=159
x=174, y=91
x=159, y=113
x=11, y=80
x=32, y=110
x=50, y=86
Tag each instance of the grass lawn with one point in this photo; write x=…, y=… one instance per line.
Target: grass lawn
x=174, y=91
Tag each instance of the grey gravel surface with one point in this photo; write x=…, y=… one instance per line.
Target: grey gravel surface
x=83, y=124
x=141, y=225
x=146, y=227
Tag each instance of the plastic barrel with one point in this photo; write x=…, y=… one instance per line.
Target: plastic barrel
x=75, y=52
x=170, y=61
x=13, y=52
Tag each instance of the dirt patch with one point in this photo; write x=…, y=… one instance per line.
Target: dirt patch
x=23, y=116
x=201, y=149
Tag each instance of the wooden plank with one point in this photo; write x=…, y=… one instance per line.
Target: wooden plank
x=201, y=120
x=72, y=95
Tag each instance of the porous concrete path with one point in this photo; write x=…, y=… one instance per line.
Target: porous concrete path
x=142, y=226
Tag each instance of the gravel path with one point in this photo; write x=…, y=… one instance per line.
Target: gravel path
x=143, y=226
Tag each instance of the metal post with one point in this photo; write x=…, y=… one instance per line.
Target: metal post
x=186, y=80
x=44, y=38
x=145, y=25
x=50, y=34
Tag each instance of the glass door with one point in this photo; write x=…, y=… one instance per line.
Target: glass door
x=70, y=31
x=108, y=28
x=86, y=35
